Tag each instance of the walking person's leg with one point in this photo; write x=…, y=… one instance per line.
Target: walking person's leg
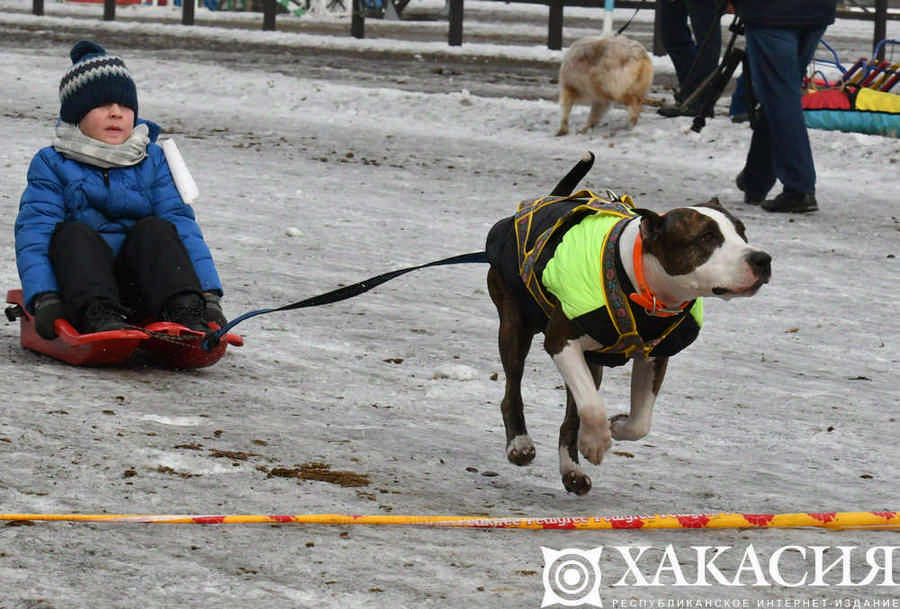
x=706, y=26
x=776, y=69
x=677, y=40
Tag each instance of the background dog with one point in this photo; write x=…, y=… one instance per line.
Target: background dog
x=602, y=70
x=660, y=264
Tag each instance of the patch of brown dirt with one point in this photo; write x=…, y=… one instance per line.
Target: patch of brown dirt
x=321, y=472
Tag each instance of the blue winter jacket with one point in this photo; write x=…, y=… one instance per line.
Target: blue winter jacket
x=110, y=201
x=786, y=13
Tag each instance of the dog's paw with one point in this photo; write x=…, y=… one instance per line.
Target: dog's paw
x=623, y=428
x=521, y=450
x=594, y=441
x=577, y=482
x=562, y=131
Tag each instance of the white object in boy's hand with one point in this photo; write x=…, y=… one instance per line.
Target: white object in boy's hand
x=184, y=181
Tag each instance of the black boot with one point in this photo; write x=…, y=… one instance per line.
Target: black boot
x=749, y=198
x=102, y=316
x=187, y=309
x=792, y=202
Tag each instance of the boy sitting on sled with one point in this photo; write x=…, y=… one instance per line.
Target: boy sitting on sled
x=102, y=234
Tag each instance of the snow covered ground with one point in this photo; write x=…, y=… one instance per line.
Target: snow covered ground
x=788, y=402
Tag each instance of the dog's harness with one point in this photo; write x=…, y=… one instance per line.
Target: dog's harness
x=530, y=247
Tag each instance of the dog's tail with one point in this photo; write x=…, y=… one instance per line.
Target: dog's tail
x=567, y=185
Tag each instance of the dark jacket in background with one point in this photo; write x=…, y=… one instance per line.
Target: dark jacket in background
x=786, y=13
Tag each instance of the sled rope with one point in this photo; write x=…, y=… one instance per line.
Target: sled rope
x=824, y=520
x=563, y=188
x=343, y=293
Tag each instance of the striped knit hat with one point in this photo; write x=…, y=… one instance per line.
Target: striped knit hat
x=95, y=79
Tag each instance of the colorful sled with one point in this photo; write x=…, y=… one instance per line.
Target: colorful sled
x=163, y=343
x=859, y=101
x=851, y=109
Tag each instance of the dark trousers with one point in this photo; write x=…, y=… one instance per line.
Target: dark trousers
x=779, y=148
x=693, y=50
x=152, y=265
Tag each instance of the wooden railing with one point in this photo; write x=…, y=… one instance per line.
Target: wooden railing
x=878, y=14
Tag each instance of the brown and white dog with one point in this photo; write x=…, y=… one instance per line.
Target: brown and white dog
x=654, y=268
x=602, y=70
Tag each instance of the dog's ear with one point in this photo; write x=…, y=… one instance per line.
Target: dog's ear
x=643, y=211
x=713, y=203
x=738, y=225
x=652, y=224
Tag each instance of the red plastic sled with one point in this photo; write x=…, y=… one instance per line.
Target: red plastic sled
x=163, y=343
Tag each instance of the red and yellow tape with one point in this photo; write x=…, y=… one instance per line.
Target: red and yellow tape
x=826, y=520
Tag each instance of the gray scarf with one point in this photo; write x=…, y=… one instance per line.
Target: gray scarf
x=75, y=145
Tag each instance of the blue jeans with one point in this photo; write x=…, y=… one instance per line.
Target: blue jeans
x=694, y=54
x=779, y=148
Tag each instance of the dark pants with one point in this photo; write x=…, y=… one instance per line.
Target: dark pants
x=152, y=265
x=693, y=50
x=779, y=148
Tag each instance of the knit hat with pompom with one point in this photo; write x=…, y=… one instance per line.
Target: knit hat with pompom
x=95, y=79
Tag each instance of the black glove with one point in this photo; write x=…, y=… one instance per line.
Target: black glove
x=48, y=307
x=214, y=311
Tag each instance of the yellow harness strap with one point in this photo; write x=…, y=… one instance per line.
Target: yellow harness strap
x=530, y=246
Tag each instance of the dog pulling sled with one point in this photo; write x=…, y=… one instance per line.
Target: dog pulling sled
x=173, y=346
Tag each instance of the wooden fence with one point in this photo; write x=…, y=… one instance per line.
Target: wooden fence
x=879, y=14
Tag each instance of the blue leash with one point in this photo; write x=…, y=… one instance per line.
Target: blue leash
x=212, y=338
